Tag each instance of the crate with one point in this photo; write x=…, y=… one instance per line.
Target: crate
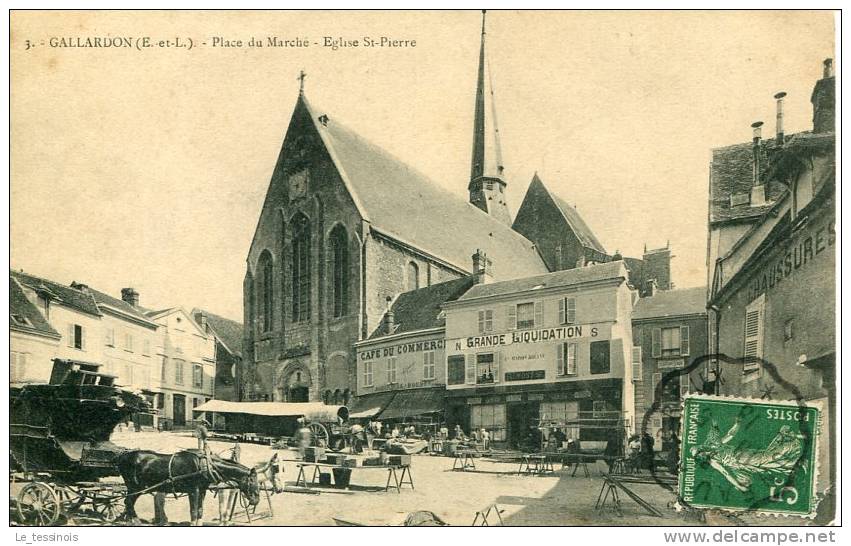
x=335, y=458
x=371, y=461
x=314, y=454
x=399, y=460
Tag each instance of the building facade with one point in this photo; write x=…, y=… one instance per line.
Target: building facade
x=345, y=225
x=33, y=342
x=552, y=348
x=773, y=295
x=187, y=367
x=228, y=352
x=669, y=357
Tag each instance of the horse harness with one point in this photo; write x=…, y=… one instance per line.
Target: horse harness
x=206, y=468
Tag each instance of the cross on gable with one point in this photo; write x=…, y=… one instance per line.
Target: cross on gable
x=301, y=76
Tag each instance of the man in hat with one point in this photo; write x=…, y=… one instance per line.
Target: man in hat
x=201, y=432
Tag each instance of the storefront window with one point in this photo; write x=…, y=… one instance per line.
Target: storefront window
x=559, y=415
x=490, y=417
x=455, y=369
x=600, y=357
x=487, y=370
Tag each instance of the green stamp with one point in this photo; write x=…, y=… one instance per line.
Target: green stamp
x=749, y=455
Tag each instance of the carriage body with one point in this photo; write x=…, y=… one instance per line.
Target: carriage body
x=59, y=438
x=268, y=421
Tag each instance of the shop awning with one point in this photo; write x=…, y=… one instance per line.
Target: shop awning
x=410, y=403
x=370, y=405
x=312, y=411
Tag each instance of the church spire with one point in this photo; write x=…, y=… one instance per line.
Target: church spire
x=487, y=181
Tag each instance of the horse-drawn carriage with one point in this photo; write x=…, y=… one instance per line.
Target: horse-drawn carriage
x=59, y=444
x=269, y=421
x=61, y=459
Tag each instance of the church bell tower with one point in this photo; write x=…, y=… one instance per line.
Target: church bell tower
x=487, y=180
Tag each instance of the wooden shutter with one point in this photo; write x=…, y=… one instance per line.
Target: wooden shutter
x=657, y=343
x=684, y=341
x=570, y=310
x=481, y=321
x=82, y=338
x=497, y=361
x=71, y=335
x=512, y=317
x=470, y=370
x=753, y=329
x=539, y=314
x=570, y=359
x=657, y=378
x=637, y=371
x=560, y=350
x=561, y=310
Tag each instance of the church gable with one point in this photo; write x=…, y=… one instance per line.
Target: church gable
x=561, y=236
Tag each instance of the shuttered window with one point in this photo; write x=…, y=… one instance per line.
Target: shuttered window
x=656, y=350
x=566, y=358
x=512, y=317
x=77, y=336
x=485, y=320
x=567, y=311
x=637, y=370
x=753, y=335
x=470, y=375
x=428, y=365
x=367, y=374
x=487, y=368
x=391, y=370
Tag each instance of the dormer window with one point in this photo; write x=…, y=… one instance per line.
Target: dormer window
x=739, y=199
x=20, y=320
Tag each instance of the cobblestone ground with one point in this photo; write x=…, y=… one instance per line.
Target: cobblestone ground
x=556, y=499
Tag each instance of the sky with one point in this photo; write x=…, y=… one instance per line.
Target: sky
x=148, y=168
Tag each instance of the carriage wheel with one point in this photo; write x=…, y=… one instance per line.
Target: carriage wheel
x=38, y=504
x=319, y=435
x=110, y=509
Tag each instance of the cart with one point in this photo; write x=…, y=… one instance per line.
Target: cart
x=62, y=463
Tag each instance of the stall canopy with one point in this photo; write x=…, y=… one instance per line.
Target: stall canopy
x=312, y=411
x=370, y=405
x=410, y=403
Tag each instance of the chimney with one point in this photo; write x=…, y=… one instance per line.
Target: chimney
x=130, y=296
x=757, y=137
x=828, y=68
x=201, y=320
x=824, y=99
x=389, y=318
x=482, y=267
x=84, y=288
x=650, y=288
x=779, y=140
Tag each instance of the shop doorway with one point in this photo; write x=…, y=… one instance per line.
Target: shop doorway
x=521, y=420
x=179, y=410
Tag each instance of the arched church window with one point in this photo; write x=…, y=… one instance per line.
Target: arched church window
x=301, y=269
x=265, y=292
x=413, y=276
x=340, y=271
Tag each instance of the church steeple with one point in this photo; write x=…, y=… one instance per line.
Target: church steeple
x=487, y=182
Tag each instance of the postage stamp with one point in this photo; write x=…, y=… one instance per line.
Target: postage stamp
x=749, y=455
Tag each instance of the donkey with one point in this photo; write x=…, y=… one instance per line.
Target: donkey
x=184, y=472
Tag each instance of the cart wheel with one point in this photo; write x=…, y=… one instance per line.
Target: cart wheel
x=110, y=509
x=38, y=504
x=319, y=435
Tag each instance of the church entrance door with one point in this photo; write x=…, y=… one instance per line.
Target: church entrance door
x=298, y=394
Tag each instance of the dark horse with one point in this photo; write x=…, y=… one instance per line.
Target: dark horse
x=184, y=472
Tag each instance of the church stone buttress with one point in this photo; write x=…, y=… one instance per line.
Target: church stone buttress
x=487, y=181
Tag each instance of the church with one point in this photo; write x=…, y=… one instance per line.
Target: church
x=346, y=227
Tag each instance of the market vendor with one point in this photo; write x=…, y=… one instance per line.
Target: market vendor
x=357, y=435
